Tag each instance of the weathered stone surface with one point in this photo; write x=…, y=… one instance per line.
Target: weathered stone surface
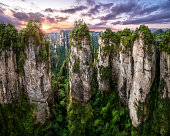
x=8, y=76
x=133, y=69
x=102, y=64
x=37, y=81
x=122, y=66
x=165, y=72
x=144, y=74
x=80, y=72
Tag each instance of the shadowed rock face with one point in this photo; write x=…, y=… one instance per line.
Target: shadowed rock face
x=165, y=72
x=8, y=76
x=37, y=81
x=133, y=69
x=80, y=72
x=102, y=64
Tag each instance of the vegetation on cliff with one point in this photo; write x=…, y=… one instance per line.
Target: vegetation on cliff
x=165, y=44
x=80, y=32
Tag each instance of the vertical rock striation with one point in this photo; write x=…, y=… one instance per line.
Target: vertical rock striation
x=144, y=74
x=80, y=72
x=37, y=70
x=133, y=67
x=103, y=66
x=165, y=64
x=25, y=67
x=8, y=66
x=165, y=72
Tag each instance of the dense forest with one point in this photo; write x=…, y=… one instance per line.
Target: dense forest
x=104, y=114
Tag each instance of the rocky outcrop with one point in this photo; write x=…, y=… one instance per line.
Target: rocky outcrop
x=9, y=90
x=122, y=72
x=103, y=65
x=37, y=80
x=80, y=69
x=143, y=77
x=8, y=76
x=25, y=68
x=133, y=67
x=165, y=72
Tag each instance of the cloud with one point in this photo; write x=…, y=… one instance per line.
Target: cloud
x=163, y=17
x=36, y=15
x=2, y=4
x=73, y=10
x=21, y=16
x=119, y=9
x=98, y=8
x=89, y=2
x=60, y=19
x=101, y=23
x=1, y=10
x=7, y=19
x=56, y=19
x=136, y=13
x=153, y=8
x=48, y=10
x=97, y=27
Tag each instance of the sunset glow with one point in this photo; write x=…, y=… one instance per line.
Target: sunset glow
x=45, y=27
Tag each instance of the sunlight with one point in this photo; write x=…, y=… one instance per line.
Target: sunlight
x=45, y=27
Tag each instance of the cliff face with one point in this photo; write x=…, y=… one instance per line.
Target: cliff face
x=80, y=70
x=8, y=76
x=165, y=72
x=133, y=67
x=25, y=66
x=37, y=80
x=144, y=74
x=122, y=72
x=8, y=66
x=103, y=65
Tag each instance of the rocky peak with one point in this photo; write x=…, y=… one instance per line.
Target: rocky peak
x=25, y=65
x=130, y=59
x=80, y=63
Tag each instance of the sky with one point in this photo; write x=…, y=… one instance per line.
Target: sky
x=57, y=15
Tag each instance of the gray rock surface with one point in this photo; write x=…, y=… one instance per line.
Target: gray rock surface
x=165, y=72
x=8, y=76
x=37, y=81
x=102, y=64
x=80, y=71
x=133, y=69
x=144, y=74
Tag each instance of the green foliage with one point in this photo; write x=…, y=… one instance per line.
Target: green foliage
x=80, y=32
x=34, y=34
x=105, y=72
x=147, y=37
x=165, y=44
x=8, y=36
x=57, y=58
x=127, y=41
x=17, y=118
x=33, y=30
x=79, y=118
x=111, y=41
x=159, y=34
x=76, y=65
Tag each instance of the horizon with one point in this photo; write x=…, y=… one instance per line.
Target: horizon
x=97, y=14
